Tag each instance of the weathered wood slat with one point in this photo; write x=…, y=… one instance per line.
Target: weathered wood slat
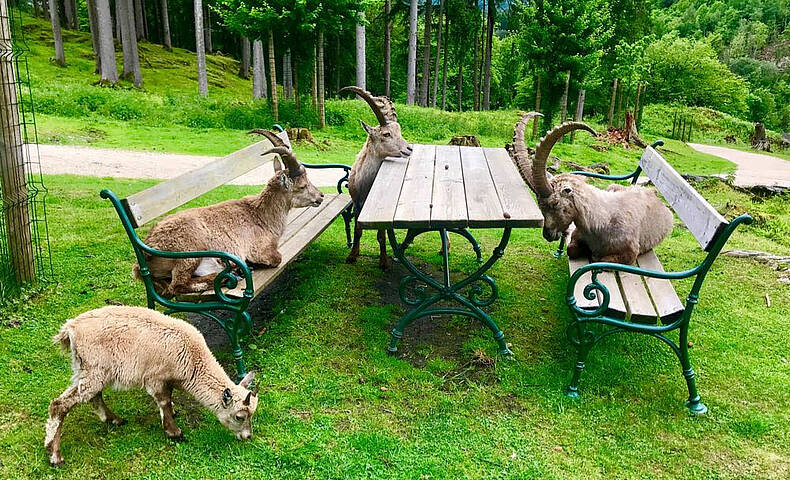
x=332, y=207
x=665, y=299
x=449, y=202
x=608, y=279
x=414, y=202
x=702, y=220
x=152, y=202
x=482, y=202
x=514, y=195
x=616, y=302
x=637, y=300
x=385, y=193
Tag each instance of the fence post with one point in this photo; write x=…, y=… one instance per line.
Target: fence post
x=12, y=162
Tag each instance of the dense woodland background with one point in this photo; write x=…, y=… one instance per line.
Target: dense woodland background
x=728, y=55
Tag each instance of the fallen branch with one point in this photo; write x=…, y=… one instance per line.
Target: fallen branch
x=777, y=262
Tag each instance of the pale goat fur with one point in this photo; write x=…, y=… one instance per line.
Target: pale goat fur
x=613, y=225
x=135, y=347
x=249, y=228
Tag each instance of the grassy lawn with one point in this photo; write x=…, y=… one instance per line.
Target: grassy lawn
x=335, y=405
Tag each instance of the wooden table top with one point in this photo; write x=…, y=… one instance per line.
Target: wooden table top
x=444, y=186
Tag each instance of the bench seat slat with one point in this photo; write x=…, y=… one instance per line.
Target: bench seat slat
x=637, y=300
x=666, y=300
x=304, y=225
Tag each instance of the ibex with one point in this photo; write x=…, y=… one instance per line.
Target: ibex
x=384, y=140
x=249, y=227
x=127, y=347
x=614, y=225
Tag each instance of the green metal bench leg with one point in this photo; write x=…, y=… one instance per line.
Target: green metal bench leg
x=694, y=403
x=561, y=247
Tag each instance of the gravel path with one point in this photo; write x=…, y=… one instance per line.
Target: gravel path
x=104, y=162
x=753, y=168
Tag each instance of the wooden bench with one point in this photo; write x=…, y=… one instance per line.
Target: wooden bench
x=607, y=298
x=230, y=293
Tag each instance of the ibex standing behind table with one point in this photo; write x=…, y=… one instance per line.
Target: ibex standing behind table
x=384, y=140
x=614, y=225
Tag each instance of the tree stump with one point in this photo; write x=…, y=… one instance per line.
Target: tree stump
x=465, y=141
x=759, y=139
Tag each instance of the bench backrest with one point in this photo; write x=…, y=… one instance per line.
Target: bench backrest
x=699, y=216
x=152, y=202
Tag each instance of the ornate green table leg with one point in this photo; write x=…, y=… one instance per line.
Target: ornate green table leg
x=413, y=288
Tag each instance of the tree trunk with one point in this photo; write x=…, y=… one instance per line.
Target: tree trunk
x=60, y=57
x=258, y=70
x=337, y=64
x=321, y=105
x=611, y=104
x=411, y=70
x=387, y=47
x=103, y=20
x=361, y=66
x=295, y=86
x=273, y=78
x=68, y=13
x=444, y=67
x=286, y=76
x=579, y=110
x=146, y=34
x=636, y=102
x=131, y=61
x=244, y=67
x=619, y=103
x=166, y=31
x=207, y=28
x=438, y=53
x=475, y=73
x=425, y=83
x=92, y=21
x=564, y=101
x=36, y=9
x=118, y=22
x=489, y=46
x=314, y=84
x=45, y=8
x=137, y=6
x=200, y=49
x=537, y=108
x=460, y=86
x=16, y=214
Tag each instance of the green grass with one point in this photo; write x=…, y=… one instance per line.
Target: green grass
x=322, y=364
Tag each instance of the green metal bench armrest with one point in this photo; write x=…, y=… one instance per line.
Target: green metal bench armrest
x=633, y=176
x=700, y=271
x=343, y=179
x=224, y=279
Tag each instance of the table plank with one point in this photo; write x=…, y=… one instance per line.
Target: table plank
x=380, y=205
x=449, y=198
x=514, y=195
x=482, y=200
x=414, y=203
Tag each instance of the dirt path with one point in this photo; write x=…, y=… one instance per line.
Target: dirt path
x=104, y=162
x=753, y=168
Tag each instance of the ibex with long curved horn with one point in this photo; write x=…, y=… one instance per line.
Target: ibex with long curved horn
x=613, y=225
x=249, y=227
x=384, y=140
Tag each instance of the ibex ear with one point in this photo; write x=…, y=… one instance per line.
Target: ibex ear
x=278, y=165
x=285, y=180
x=367, y=127
x=245, y=382
x=227, y=398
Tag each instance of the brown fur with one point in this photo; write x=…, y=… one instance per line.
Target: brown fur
x=383, y=141
x=249, y=228
x=134, y=347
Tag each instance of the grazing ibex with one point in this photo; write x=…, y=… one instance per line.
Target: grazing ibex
x=249, y=227
x=614, y=225
x=384, y=140
x=128, y=347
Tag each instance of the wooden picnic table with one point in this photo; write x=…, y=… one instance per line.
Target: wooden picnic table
x=449, y=189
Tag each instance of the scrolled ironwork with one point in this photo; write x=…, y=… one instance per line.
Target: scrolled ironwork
x=476, y=291
x=417, y=287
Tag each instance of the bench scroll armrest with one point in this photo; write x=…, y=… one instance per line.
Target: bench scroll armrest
x=343, y=179
x=633, y=176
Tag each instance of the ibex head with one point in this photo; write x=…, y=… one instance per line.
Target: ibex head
x=294, y=178
x=385, y=139
x=556, y=195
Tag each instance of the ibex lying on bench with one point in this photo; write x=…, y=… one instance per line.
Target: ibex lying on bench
x=384, y=140
x=257, y=222
x=614, y=225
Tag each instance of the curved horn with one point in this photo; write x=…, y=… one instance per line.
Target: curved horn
x=520, y=153
x=294, y=167
x=276, y=141
x=539, y=179
x=366, y=96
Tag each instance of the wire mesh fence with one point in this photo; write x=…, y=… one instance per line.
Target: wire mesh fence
x=24, y=238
